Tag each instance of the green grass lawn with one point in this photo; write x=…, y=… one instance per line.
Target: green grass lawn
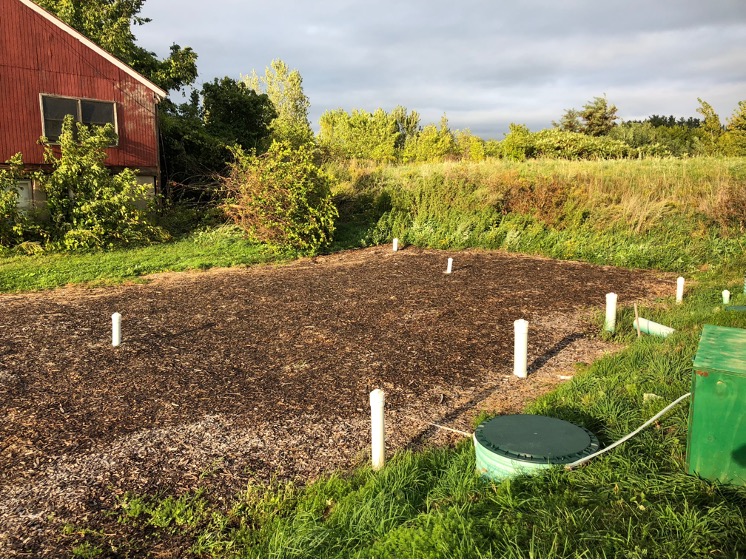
x=217, y=248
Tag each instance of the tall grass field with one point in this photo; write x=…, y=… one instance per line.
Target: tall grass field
x=669, y=214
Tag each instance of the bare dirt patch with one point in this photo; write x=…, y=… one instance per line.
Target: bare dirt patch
x=231, y=376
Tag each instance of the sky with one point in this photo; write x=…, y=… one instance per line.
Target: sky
x=482, y=63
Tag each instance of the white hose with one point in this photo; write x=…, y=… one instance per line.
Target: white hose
x=593, y=455
x=454, y=430
x=628, y=436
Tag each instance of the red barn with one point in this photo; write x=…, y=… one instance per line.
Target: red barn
x=49, y=70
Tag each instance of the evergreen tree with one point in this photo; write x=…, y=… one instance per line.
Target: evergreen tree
x=597, y=118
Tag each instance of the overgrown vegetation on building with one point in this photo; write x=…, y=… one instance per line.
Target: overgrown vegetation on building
x=87, y=207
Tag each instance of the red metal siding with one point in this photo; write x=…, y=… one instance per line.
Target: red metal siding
x=37, y=57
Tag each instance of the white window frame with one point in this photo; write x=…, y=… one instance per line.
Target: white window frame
x=27, y=203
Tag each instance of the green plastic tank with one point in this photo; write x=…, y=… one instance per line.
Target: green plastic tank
x=716, y=440
x=520, y=443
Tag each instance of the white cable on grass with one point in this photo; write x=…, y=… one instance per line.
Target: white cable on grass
x=589, y=457
x=628, y=436
x=454, y=430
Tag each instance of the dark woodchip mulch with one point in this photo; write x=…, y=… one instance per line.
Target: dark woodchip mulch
x=229, y=377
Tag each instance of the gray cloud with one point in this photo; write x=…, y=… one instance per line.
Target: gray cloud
x=483, y=63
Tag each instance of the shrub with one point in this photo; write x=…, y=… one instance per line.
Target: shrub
x=554, y=143
x=517, y=144
x=281, y=198
x=13, y=222
x=89, y=207
x=521, y=144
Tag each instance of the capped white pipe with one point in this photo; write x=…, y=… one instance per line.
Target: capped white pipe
x=726, y=296
x=449, y=268
x=520, y=358
x=650, y=327
x=744, y=285
x=679, y=289
x=377, y=429
x=610, y=323
x=396, y=244
x=116, y=329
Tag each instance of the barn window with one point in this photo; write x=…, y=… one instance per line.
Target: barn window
x=87, y=111
x=25, y=195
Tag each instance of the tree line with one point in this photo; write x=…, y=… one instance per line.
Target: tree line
x=255, y=110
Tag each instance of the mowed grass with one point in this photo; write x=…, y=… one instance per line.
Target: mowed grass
x=217, y=248
x=635, y=501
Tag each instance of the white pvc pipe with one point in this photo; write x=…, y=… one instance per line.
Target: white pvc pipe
x=679, y=289
x=449, y=268
x=116, y=329
x=744, y=285
x=650, y=327
x=377, y=429
x=726, y=296
x=520, y=359
x=610, y=323
x=396, y=244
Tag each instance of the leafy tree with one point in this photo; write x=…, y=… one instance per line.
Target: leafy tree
x=431, y=143
x=733, y=140
x=468, y=146
x=281, y=197
x=408, y=124
x=359, y=135
x=196, y=134
x=334, y=134
x=175, y=72
x=377, y=136
x=236, y=114
x=737, y=121
x=284, y=87
x=90, y=208
x=597, y=118
x=108, y=23
x=190, y=155
x=710, y=129
x=518, y=143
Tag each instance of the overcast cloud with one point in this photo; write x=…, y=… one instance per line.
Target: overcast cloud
x=483, y=63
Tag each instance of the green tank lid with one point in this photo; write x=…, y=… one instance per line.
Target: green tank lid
x=532, y=438
x=721, y=349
